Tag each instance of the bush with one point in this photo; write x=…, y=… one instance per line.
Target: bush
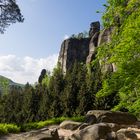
x=12, y=128
x=8, y=128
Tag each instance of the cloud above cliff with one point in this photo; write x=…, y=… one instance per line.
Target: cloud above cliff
x=66, y=37
x=25, y=69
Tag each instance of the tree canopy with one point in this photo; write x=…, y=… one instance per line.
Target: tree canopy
x=9, y=13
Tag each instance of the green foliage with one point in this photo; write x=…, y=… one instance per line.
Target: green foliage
x=6, y=84
x=13, y=128
x=124, y=52
x=8, y=128
x=41, y=124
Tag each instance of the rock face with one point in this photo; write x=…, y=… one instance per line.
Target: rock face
x=84, y=49
x=79, y=50
x=73, y=50
x=92, y=47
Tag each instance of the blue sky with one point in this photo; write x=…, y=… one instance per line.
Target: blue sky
x=47, y=23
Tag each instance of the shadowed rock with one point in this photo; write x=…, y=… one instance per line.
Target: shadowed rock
x=113, y=117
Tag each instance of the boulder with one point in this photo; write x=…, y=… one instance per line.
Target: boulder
x=70, y=125
x=82, y=126
x=93, y=132
x=90, y=119
x=49, y=135
x=114, y=127
x=96, y=113
x=124, y=134
x=114, y=117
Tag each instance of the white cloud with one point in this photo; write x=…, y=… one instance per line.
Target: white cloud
x=66, y=37
x=26, y=69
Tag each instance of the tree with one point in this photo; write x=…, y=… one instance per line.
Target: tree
x=27, y=103
x=9, y=13
x=124, y=52
x=44, y=104
x=56, y=86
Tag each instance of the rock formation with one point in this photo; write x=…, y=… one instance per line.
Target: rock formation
x=73, y=50
x=84, y=49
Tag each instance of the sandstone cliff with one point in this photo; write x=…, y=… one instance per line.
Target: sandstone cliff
x=84, y=49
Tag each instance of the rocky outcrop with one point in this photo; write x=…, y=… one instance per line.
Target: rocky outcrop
x=79, y=49
x=73, y=50
x=93, y=132
x=118, y=126
x=84, y=49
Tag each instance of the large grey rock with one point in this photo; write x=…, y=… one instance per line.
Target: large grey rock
x=96, y=113
x=49, y=135
x=70, y=125
x=90, y=119
x=124, y=134
x=114, y=117
x=93, y=132
x=82, y=126
x=73, y=50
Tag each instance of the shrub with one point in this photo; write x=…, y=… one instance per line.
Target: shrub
x=9, y=128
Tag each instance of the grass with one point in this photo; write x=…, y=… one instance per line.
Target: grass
x=9, y=128
x=41, y=124
x=13, y=128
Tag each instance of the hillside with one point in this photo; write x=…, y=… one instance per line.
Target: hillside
x=6, y=84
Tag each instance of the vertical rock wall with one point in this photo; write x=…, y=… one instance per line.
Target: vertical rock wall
x=73, y=50
x=84, y=49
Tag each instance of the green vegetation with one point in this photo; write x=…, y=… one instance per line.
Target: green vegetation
x=6, y=84
x=8, y=128
x=13, y=128
x=124, y=52
x=53, y=121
